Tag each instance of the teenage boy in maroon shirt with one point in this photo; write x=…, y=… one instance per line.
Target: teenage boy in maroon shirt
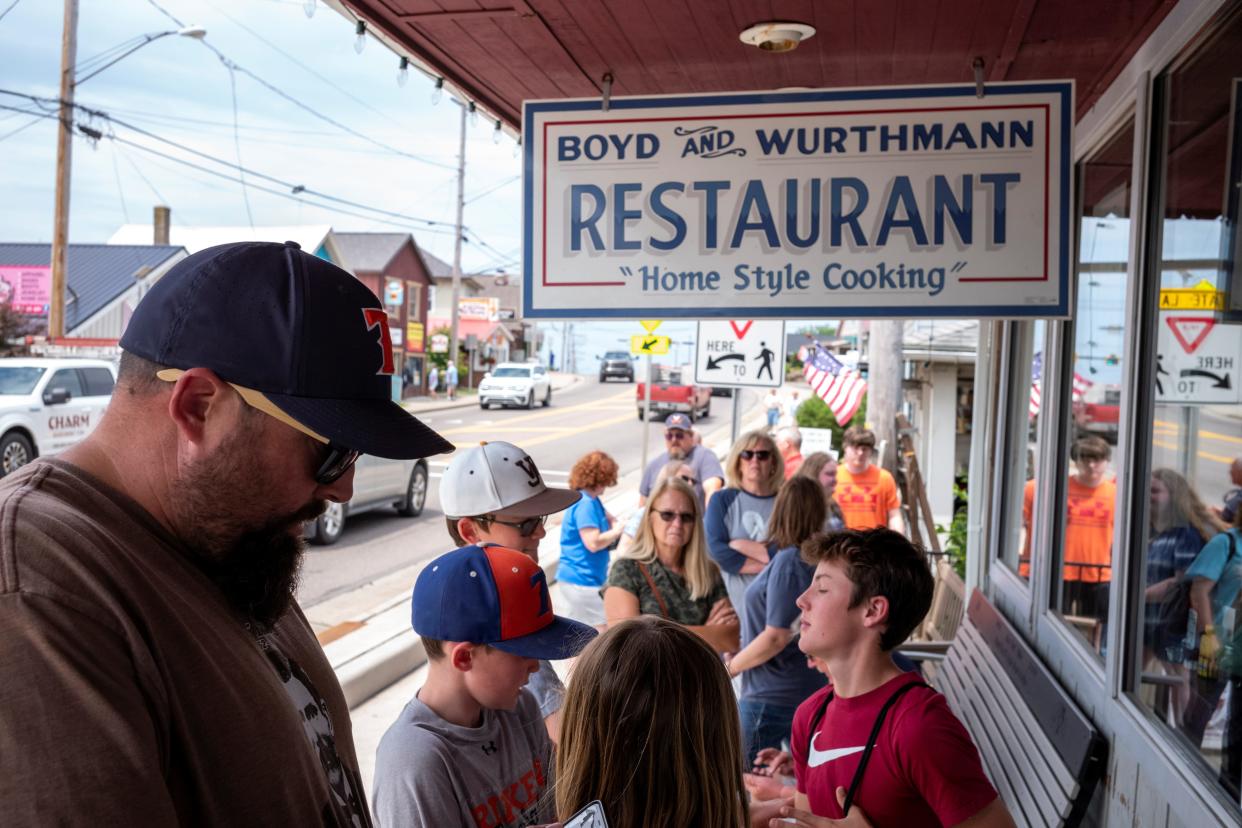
x=870, y=589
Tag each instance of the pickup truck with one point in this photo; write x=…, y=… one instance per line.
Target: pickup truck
x=49, y=404
x=671, y=394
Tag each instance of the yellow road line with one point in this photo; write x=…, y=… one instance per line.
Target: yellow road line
x=569, y=432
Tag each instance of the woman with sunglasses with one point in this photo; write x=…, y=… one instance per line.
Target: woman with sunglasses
x=667, y=572
x=673, y=468
x=737, y=517
x=588, y=532
x=775, y=675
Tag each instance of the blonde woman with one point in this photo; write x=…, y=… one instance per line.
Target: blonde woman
x=667, y=572
x=737, y=516
x=646, y=733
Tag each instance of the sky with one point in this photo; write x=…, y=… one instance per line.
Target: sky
x=178, y=90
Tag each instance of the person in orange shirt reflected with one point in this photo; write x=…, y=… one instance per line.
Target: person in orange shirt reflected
x=1091, y=503
x=866, y=493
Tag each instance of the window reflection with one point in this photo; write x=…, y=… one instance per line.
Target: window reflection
x=1017, y=556
x=1084, y=577
x=1190, y=660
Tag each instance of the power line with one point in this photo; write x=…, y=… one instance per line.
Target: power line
x=306, y=68
x=296, y=188
x=12, y=6
x=494, y=188
x=237, y=147
x=120, y=191
x=223, y=58
x=6, y=136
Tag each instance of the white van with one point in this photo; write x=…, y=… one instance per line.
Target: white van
x=48, y=405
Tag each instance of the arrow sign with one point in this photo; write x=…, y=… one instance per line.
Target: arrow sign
x=741, y=329
x=649, y=325
x=713, y=364
x=1219, y=380
x=1190, y=331
x=642, y=344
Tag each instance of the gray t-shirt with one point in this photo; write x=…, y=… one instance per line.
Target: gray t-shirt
x=430, y=773
x=545, y=685
x=704, y=463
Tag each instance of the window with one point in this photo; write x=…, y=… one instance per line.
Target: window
x=1083, y=575
x=413, y=299
x=1187, y=650
x=67, y=378
x=1029, y=362
x=98, y=382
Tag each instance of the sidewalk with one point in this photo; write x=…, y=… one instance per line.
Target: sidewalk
x=380, y=680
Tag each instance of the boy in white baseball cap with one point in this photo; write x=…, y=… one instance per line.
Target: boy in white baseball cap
x=493, y=495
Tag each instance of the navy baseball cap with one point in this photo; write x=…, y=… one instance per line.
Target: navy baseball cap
x=297, y=336
x=495, y=596
x=678, y=421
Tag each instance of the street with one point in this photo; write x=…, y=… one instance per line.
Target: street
x=586, y=416
x=1219, y=442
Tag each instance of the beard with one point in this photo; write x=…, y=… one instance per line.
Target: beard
x=253, y=557
x=677, y=453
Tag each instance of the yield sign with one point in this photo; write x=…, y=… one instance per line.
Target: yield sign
x=741, y=329
x=650, y=325
x=1190, y=331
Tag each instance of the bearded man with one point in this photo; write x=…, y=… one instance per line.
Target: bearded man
x=679, y=444
x=157, y=670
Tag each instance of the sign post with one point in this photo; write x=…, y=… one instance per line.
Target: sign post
x=646, y=416
x=887, y=202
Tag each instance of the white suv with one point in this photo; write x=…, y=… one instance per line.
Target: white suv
x=516, y=383
x=48, y=405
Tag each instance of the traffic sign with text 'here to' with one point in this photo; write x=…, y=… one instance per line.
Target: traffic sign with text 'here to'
x=739, y=353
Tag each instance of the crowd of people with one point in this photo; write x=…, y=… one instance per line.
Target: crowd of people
x=157, y=669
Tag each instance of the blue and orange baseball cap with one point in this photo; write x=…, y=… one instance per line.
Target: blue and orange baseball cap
x=298, y=337
x=495, y=596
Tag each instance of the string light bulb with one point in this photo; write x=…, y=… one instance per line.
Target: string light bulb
x=474, y=114
x=403, y=71
x=517, y=147
x=360, y=42
x=496, y=133
x=308, y=6
x=438, y=92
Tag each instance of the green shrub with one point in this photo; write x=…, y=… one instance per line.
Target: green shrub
x=815, y=413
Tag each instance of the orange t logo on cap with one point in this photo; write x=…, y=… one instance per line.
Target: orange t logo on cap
x=378, y=318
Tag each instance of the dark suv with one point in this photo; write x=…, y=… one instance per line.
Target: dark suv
x=616, y=364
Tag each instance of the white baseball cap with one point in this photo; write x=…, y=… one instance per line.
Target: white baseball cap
x=498, y=477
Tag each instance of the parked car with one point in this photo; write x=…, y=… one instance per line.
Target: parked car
x=616, y=364
x=515, y=383
x=49, y=404
x=378, y=483
x=671, y=394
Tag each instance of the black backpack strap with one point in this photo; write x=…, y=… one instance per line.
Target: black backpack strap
x=871, y=740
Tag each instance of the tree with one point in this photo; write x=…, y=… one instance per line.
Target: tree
x=14, y=328
x=815, y=413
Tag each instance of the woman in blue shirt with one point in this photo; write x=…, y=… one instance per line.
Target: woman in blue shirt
x=775, y=675
x=587, y=534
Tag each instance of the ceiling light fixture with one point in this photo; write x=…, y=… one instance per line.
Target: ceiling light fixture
x=777, y=36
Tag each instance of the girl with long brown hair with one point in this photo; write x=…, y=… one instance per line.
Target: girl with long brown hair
x=775, y=676
x=646, y=732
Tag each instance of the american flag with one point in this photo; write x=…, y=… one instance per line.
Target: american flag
x=1037, y=371
x=1081, y=384
x=840, y=387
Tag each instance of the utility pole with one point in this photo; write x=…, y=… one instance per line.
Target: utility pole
x=461, y=207
x=64, y=160
x=884, y=386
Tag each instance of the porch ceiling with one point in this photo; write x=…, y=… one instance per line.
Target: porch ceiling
x=501, y=52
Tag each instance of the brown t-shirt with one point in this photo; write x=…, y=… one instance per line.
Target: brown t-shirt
x=130, y=692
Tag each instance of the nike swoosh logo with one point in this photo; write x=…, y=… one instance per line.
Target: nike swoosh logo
x=819, y=757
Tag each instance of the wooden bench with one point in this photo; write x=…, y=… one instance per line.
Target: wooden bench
x=1041, y=752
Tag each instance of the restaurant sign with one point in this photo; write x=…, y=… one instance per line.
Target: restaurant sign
x=883, y=202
